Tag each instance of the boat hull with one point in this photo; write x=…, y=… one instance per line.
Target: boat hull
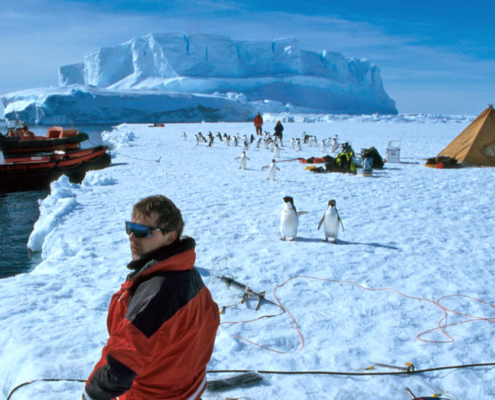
x=14, y=145
x=30, y=173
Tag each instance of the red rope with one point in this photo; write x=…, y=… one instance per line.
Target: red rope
x=441, y=326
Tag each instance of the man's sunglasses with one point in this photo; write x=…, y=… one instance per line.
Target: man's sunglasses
x=140, y=231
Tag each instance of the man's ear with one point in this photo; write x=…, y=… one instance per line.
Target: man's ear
x=171, y=237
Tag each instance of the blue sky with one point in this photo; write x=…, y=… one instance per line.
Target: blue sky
x=434, y=56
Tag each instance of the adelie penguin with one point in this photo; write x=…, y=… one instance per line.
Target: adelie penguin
x=271, y=170
x=330, y=221
x=243, y=160
x=289, y=219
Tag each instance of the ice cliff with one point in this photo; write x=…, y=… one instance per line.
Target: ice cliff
x=174, y=76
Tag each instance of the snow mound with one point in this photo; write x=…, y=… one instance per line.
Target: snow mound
x=53, y=209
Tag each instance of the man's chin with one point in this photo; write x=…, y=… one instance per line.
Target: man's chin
x=135, y=256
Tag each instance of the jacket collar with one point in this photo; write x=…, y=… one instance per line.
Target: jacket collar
x=161, y=258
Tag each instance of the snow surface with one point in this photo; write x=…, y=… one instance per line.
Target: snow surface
x=423, y=232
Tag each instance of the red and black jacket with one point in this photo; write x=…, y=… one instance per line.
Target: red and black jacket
x=162, y=325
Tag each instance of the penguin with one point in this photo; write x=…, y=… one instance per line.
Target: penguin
x=271, y=170
x=219, y=136
x=335, y=144
x=201, y=137
x=196, y=139
x=235, y=141
x=243, y=160
x=292, y=143
x=227, y=141
x=210, y=143
x=259, y=143
x=246, y=145
x=298, y=145
x=289, y=219
x=277, y=152
x=184, y=136
x=304, y=137
x=330, y=222
x=272, y=146
x=252, y=139
x=323, y=146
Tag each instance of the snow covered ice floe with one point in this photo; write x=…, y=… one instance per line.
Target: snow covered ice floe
x=426, y=233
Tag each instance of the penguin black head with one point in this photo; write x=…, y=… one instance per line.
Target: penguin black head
x=288, y=199
x=332, y=203
x=273, y=161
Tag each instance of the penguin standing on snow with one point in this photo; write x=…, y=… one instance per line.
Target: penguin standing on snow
x=323, y=146
x=330, y=222
x=271, y=170
x=243, y=160
x=184, y=136
x=289, y=219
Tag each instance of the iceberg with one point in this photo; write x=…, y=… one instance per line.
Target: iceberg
x=172, y=77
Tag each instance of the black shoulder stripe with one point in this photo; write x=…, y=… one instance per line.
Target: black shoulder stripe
x=111, y=380
x=158, y=297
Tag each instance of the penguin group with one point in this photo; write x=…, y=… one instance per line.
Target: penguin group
x=289, y=220
x=273, y=143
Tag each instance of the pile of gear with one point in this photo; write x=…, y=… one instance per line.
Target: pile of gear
x=442, y=162
x=343, y=163
x=374, y=155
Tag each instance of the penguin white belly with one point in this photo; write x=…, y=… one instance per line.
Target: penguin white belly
x=331, y=223
x=243, y=163
x=271, y=172
x=288, y=224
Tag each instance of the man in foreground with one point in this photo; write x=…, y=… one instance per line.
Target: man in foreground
x=163, y=321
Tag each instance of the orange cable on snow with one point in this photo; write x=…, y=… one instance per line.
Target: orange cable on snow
x=445, y=310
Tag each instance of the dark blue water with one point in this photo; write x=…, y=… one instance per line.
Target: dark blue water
x=20, y=210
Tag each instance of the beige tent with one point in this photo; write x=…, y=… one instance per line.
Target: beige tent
x=476, y=144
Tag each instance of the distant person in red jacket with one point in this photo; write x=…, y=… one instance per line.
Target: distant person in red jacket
x=163, y=321
x=258, y=123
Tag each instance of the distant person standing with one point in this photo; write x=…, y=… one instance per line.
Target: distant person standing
x=279, y=128
x=258, y=123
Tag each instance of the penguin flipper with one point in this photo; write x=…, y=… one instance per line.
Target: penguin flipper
x=340, y=219
x=278, y=169
x=302, y=212
x=237, y=158
x=265, y=167
x=321, y=222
